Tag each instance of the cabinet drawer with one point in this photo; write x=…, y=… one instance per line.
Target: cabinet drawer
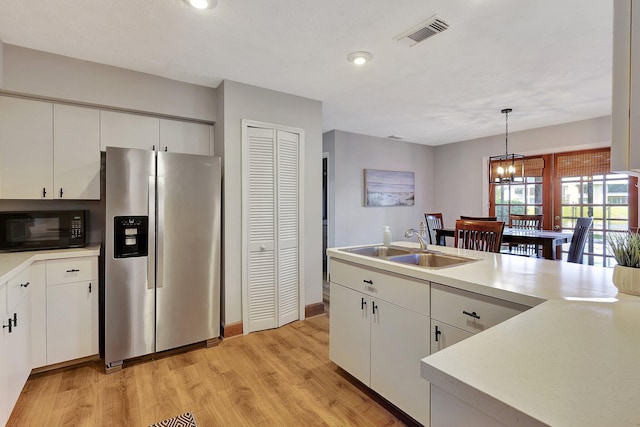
x=412, y=294
x=70, y=270
x=470, y=311
x=17, y=288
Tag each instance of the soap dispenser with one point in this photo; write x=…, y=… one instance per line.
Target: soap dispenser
x=387, y=236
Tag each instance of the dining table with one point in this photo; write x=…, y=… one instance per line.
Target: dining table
x=549, y=240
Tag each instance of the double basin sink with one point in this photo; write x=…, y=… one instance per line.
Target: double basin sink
x=419, y=257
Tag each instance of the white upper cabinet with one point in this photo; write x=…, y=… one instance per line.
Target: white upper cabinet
x=76, y=154
x=152, y=133
x=625, y=115
x=48, y=151
x=185, y=137
x=128, y=131
x=26, y=149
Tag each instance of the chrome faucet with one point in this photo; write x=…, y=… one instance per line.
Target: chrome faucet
x=421, y=235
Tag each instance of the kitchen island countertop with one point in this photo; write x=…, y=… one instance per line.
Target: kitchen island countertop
x=570, y=360
x=513, y=278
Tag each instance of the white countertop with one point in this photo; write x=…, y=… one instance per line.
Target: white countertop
x=12, y=263
x=514, y=278
x=563, y=363
x=569, y=361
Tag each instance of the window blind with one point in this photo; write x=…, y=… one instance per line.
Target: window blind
x=583, y=163
x=533, y=166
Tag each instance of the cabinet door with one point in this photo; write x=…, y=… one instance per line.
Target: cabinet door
x=185, y=137
x=443, y=335
x=38, y=295
x=72, y=321
x=26, y=149
x=128, y=131
x=76, y=155
x=19, y=343
x=5, y=351
x=399, y=340
x=349, y=340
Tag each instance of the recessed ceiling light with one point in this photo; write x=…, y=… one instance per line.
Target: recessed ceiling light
x=360, y=58
x=202, y=4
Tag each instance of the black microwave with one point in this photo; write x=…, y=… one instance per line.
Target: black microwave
x=26, y=231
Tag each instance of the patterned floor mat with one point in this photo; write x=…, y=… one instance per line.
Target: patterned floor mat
x=185, y=420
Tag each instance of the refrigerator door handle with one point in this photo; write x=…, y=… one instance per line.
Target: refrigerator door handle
x=160, y=231
x=151, y=258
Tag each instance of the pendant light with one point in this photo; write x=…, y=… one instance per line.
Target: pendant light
x=506, y=168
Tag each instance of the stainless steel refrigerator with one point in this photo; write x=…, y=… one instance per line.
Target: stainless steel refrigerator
x=162, y=252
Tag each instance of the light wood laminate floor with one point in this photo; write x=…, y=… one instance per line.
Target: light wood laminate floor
x=279, y=377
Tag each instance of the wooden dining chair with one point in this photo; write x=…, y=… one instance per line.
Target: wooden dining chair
x=580, y=233
x=434, y=222
x=478, y=235
x=479, y=218
x=525, y=222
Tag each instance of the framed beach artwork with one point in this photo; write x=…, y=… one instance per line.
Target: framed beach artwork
x=388, y=188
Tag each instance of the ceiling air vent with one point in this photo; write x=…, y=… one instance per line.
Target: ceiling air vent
x=423, y=31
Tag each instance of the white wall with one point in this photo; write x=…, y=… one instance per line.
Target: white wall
x=460, y=168
x=350, y=154
x=242, y=101
x=43, y=74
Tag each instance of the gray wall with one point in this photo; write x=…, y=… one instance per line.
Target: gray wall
x=460, y=168
x=50, y=76
x=253, y=103
x=351, y=223
x=42, y=74
x=1, y=64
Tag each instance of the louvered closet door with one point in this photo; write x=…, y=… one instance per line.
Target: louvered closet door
x=273, y=201
x=261, y=217
x=287, y=247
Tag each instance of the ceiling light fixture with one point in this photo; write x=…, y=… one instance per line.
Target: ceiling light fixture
x=202, y=4
x=506, y=168
x=360, y=58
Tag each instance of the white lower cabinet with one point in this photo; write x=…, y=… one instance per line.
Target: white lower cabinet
x=457, y=315
x=398, y=342
x=72, y=321
x=72, y=309
x=447, y=411
x=17, y=337
x=443, y=335
x=38, y=314
x=470, y=311
x=350, y=338
x=5, y=408
x=381, y=341
x=49, y=314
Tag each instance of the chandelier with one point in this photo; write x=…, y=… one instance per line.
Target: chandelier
x=506, y=168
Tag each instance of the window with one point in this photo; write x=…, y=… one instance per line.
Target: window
x=582, y=185
x=522, y=198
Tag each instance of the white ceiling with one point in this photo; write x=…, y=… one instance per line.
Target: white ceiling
x=549, y=60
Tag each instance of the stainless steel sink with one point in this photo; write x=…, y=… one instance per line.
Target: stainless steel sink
x=430, y=260
x=378, y=251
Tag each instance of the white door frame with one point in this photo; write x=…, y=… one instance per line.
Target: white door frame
x=246, y=123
